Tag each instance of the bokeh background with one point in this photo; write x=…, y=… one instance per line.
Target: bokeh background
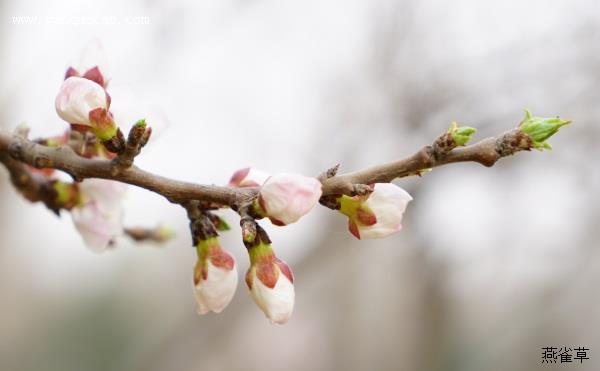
x=492, y=264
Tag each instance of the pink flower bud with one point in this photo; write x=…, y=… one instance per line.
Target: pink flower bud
x=248, y=177
x=215, y=277
x=285, y=198
x=379, y=215
x=98, y=216
x=271, y=284
x=78, y=97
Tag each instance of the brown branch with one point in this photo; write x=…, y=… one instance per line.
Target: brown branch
x=65, y=159
x=16, y=150
x=485, y=152
x=140, y=234
x=33, y=186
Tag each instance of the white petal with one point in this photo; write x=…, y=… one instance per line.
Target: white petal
x=248, y=177
x=254, y=177
x=97, y=228
x=100, y=217
x=77, y=97
x=215, y=293
x=107, y=193
x=288, y=197
x=388, y=202
x=276, y=303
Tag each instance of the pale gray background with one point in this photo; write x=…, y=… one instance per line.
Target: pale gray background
x=492, y=265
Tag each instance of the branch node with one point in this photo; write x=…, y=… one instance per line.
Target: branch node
x=15, y=149
x=513, y=141
x=330, y=202
x=361, y=189
x=329, y=173
x=136, y=139
x=201, y=227
x=259, y=236
x=116, y=144
x=248, y=222
x=443, y=145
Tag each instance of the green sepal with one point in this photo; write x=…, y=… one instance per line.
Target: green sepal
x=67, y=194
x=258, y=209
x=461, y=134
x=348, y=205
x=356, y=209
x=221, y=224
x=105, y=133
x=539, y=129
x=260, y=252
x=205, y=246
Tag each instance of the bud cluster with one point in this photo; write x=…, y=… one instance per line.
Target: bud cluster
x=95, y=205
x=269, y=279
x=84, y=102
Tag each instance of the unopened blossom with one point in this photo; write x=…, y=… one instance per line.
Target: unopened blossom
x=271, y=284
x=215, y=277
x=539, y=129
x=98, y=214
x=378, y=214
x=285, y=198
x=84, y=103
x=92, y=64
x=248, y=177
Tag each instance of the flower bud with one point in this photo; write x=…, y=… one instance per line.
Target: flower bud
x=77, y=97
x=271, y=283
x=98, y=215
x=215, y=277
x=248, y=177
x=285, y=198
x=461, y=134
x=378, y=214
x=540, y=129
x=84, y=103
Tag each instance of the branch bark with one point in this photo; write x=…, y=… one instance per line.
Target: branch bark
x=16, y=150
x=485, y=152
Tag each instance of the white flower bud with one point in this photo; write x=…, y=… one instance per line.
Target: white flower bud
x=272, y=289
x=285, y=198
x=215, y=278
x=77, y=97
x=379, y=215
x=99, y=215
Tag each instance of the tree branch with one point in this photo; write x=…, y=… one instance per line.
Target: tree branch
x=16, y=150
x=64, y=158
x=485, y=152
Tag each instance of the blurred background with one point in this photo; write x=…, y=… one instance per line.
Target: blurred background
x=492, y=264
